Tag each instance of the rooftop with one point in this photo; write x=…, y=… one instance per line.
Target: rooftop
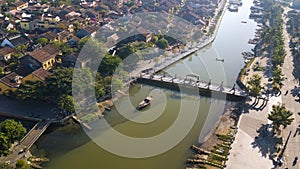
x=6, y=50
x=41, y=73
x=45, y=53
x=12, y=80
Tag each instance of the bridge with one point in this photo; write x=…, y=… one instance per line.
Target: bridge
x=19, y=151
x=191, y=82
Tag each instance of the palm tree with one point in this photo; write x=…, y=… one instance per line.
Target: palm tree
x=255, y=85
x=280, y=116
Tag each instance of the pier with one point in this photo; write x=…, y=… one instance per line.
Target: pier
x=190, y=83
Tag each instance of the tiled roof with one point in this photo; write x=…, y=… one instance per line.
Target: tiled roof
x=49, y=35
x=6, y=50
x=19, y=40
x=45, y=53
x=12, y=80
x=41, y=73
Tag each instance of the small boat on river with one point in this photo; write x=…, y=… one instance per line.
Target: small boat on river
x=146, y=102
x=219, y=59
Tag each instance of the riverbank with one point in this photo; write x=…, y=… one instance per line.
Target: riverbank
x=226, y=128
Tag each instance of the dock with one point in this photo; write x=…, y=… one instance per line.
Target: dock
x=86, y=126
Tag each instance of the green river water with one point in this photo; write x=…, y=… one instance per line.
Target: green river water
x=71, y=148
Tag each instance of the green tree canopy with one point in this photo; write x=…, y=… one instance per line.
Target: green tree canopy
x=30, y=90
x=255, y=85
x=126, y=50
x=162, y=43
x=4, y=144
x=60, y=82
x=1, y=71
x=109, y=64
x=280, y=116
x=42, y=41
x=22, y=164
x=66, y=102
x=12, y=129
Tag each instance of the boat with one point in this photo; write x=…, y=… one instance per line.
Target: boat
x=145, y=102
x=219, y=59
x=244, y=21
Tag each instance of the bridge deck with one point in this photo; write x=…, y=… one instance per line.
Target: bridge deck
x=193, y=83
x=29, y=139
x=33, y=135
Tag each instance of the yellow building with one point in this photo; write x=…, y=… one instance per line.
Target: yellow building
x=37, y=75
x=28, y=25
x=45, y=56
x=10, y=83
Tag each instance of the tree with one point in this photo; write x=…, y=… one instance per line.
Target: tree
x=22, y=164
x=126, y=50
x=116, y=84
x=30, y=90
x=4, y=144
x=22, y=48
x=277, y=76
x=162, y=43
x=280, y=116
x=60, y=82
x=42, y=41
x=1, y=71
x=254, y=85
x=99, y=87
x=109, y=64
x=66, y=102
x=12, y=129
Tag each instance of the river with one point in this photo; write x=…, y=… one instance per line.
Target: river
x=71, y=148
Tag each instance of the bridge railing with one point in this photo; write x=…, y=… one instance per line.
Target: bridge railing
x=30, y=131
x=37, y=136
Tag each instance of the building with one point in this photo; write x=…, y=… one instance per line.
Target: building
x=15, y=41
x=19, y=5
x=6, y=52
x=51, y=36
x=27, y=24
x=10, y=83
x=45, y=56
x=37, y=75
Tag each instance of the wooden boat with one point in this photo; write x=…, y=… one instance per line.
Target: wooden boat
x=219, y=59
x=145, y=102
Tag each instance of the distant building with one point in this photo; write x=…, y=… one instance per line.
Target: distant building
x=15, y=41
x=27, y=24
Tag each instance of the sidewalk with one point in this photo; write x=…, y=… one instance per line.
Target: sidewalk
x=290, y=85
x=253, y=150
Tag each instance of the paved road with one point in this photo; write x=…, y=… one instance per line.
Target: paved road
x=290, y=83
